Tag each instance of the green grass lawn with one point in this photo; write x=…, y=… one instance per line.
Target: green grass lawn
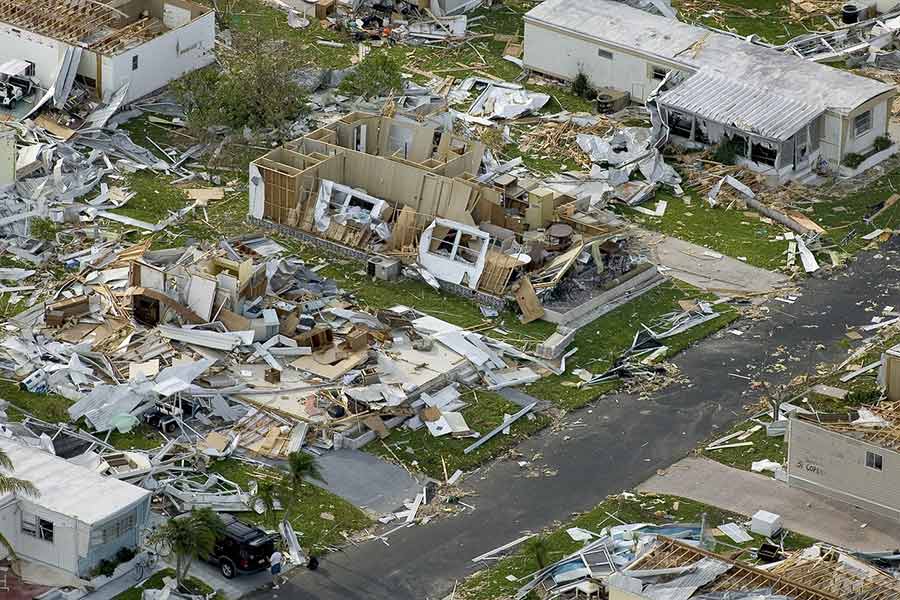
x=420, y=451
x=47, y=407
x=492, y=582
x=730, y=232
x=317, y=533
x=155, y=582
x=604, y=340
x=770, y=19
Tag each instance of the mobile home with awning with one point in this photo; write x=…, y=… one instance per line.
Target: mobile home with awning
x=782, y=114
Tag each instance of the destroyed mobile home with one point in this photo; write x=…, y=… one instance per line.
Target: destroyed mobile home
x=407, y=197
x=631, y=561
x=128, y=48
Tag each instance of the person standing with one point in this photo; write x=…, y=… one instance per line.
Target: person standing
x=275, y=564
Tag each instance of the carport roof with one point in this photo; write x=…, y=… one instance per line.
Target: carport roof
x=748, y=108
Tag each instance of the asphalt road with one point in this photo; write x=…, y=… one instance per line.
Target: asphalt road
x=625, y=441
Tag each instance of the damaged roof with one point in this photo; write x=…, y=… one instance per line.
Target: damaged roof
x=616, y=24
x=749, y=108
x=69, y=489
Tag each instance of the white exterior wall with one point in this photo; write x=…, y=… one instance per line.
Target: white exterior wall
x=864, y=143
x=832, y=464
x=70, y=538
x=7, y=156
x=44, y=52
x=562, y=55
x=161, y=60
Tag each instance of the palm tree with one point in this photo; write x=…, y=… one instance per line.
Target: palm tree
x=538, y=548
x=11, y=485
x=189, y=537
x=273, y=496
x=301, y=465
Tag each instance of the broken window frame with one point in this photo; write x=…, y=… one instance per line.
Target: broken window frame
x=458, y=249
x=656, y=72
x=36, y=527
x=681, y=124
x=874, y=461
x=864, y=119
x=761, y=153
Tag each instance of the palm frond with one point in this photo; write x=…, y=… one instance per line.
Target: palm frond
x=11, y=485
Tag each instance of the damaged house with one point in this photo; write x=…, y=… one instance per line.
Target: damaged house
x=141, y=44
x=79, y=517
x=396, y=193
x=781, y=114
x=850, y=456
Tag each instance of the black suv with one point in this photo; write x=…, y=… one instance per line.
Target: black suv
x=242, y=548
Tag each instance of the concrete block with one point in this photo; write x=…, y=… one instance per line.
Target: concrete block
x=554, y=346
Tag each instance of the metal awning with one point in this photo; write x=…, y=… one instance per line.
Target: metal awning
x=745, y=107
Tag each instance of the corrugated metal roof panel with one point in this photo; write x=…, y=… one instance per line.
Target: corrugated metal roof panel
x=747, y=108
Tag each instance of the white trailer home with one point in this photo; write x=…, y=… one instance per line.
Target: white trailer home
x=144, y=43
x=852, y=457
x=782, y=114
x=79, y=518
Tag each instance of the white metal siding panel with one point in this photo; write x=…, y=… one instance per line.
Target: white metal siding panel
x=63, y=551
x=835, y=465
x=563, y=55
x=7, y=156
x=162, y=59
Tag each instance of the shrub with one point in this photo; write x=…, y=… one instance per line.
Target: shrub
x=255, y=87
x=853, y=160
x=581, y=86
x=882, y=142
x=725, y=152
x=377, y=75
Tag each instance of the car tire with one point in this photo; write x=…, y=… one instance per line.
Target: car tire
x=227, y=568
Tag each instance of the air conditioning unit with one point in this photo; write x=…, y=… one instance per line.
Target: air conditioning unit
x=385, y=269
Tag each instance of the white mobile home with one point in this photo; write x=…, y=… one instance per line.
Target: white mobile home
x=854, y=457
x=79, y=518
x=782, y=113
x=144, y=43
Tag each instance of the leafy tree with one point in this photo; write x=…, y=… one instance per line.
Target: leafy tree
x=189, y=536
x=11, y=485
x=254, y=85
x=377, y=75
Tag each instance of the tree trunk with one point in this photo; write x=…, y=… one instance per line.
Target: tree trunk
x=187, y=567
